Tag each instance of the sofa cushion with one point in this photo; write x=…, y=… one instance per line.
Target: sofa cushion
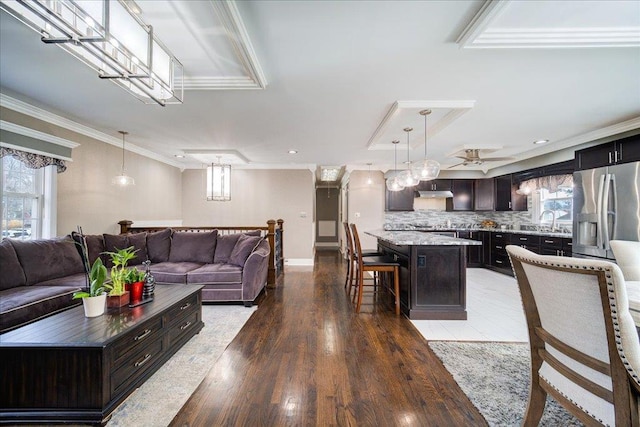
x=113, y=242
x=48, y=259
x=12, y=273
x=193, y=247
x=243, y=248
x=25, y=304
x=159, y=245
x=215, y=273
x=95, y=246
x=226, y=243
x=76, y=280
x=173, y=272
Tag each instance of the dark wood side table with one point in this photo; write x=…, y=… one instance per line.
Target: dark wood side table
x=70, y=368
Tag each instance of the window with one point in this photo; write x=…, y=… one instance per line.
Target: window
x=558, y=205
x=23, y=200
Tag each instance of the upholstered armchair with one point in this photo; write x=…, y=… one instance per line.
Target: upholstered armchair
x=584, y=345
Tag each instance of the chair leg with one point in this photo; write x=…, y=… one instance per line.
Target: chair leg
x=535, y=407
x=351, y=285
x=346, y=279
x=359, y=290
x=396, y=287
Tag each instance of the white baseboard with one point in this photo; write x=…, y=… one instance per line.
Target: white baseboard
x=327, y=245
x=298, y=261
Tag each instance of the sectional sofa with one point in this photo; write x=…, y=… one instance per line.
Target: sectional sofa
x=39, y=276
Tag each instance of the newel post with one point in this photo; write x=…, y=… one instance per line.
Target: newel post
x=125, y=226
x=271, y=237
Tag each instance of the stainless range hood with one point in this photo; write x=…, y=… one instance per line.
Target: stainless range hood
x=443, y=194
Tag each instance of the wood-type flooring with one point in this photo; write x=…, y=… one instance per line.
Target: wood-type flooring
x=306, y=359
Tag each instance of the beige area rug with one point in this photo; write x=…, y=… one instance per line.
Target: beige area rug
x=160, y=398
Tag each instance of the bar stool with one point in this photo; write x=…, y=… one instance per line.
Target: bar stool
x=377, y=264
x=351, y=257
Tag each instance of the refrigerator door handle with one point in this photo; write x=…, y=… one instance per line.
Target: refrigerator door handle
x=599, y=209
x=606, y=233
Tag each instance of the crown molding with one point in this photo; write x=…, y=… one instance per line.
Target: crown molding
x=21, y=130
x=48, y=117
x=219, y=83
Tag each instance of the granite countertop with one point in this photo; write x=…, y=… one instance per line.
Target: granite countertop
x=418, y=238
x=421, y=228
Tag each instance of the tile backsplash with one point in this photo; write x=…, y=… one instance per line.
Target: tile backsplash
x=440, y=218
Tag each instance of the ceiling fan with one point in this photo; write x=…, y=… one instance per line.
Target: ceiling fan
x=472, y=157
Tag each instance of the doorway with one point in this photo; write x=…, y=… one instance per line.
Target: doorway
x=327, y=217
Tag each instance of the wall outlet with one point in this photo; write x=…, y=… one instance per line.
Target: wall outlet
x=303, y=214
x=357, y=214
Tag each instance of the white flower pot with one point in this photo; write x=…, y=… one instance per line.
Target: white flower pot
x=94, y=306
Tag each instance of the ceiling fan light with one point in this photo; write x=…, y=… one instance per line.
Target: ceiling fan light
x=425, y=170
x=394, y=184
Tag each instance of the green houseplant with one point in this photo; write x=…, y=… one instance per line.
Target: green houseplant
x=93, y=299
x=119, y=295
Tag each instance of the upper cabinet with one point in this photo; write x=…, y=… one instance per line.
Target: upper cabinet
x=399, y=200
x=506, y=197
x=622, y=151
x=462, y=199
x=435, y=185
x=484, y=191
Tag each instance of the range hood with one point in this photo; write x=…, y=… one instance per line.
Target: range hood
x=442, y=194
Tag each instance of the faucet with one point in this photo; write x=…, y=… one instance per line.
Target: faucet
x=553, y=218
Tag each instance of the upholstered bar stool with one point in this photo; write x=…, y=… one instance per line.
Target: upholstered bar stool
x=376, y=264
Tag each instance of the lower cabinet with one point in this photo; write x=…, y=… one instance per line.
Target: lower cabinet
x=543, y=245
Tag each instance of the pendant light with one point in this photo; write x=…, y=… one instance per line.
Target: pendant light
x=393, y=183
x=219, y=182
x=406, y=177
x=369, y=180
x=425, y=170
x=123, y=180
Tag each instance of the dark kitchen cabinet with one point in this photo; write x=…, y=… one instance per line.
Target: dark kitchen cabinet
x=462, y=199
x=622, y=151
x=499, y=257
x=435, y=185
x=399, y=200
x=484, y=194
x=506, y=197
x=559, y=246
x=527, y=241
x=474, y=253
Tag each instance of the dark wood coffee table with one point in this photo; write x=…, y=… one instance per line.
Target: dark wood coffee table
x=70, y=368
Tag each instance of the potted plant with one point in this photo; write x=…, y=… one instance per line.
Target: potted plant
x=119, y=296
x=93, y=299
x=134, y=280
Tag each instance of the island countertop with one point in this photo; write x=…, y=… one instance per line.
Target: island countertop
x=418, y=238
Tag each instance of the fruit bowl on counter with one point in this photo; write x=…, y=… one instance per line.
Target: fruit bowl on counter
x=487, y=223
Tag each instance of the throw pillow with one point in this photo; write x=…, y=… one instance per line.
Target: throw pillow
x=243, y=248
x=193, y=247
x=139, y=243
x=224, y=247
x=159, y=245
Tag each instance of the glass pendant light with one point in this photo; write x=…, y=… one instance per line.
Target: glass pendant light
x=425, y=170
x=406, y=177
x=123, y=180
x=369, y=180
x=393, y=183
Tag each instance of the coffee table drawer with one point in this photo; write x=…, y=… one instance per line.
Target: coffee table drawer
x=138, y=337
x=135, y=365
x=183, y=328
x=185, y=308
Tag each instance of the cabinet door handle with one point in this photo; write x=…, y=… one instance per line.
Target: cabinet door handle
x=185, y=326
x=610, y=157
x=524, y=239
x=395, y=257
x=498, y=261
x=509, y=205
x=142, y=361
x=561, y=253
x=616, y=156
x=142, y=335
x=184, y=307
x=549, y=241
x=499, y=247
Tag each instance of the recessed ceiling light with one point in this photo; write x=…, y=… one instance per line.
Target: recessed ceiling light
x=179, y=156
x=293, y=151
x=541, y=141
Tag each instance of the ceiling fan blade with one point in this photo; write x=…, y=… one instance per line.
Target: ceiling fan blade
x=463, y=163
x=496, y=159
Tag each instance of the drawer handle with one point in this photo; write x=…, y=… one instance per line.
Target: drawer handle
x=498, y=235
x=144, y=360
x=498, y=261
x=184, y=307
x=185, y=326
x=142, y=335
x=549, y=241
x=499, y=247
x=524, y=239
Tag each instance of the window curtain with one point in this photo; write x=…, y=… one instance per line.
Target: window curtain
x=33, y=161
x=551, y=183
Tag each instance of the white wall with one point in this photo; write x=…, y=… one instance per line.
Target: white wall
x=367, y=200
x=257, y=196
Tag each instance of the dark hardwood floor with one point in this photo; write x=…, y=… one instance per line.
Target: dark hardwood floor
x=306, y=359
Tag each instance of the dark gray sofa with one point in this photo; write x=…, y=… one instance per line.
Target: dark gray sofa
x=39, y=277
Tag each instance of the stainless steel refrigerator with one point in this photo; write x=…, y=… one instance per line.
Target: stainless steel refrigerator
x=606, y=206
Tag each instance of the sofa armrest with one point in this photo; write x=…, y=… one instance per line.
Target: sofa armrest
x=254, y=272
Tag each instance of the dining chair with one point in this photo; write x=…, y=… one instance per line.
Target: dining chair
x=627, y=255
x=584, y=346
x=376, y=264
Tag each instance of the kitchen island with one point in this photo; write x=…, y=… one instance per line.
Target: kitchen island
x=433, y=280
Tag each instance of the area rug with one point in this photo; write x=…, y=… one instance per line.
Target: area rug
x=495, y=377
x=160, y=398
